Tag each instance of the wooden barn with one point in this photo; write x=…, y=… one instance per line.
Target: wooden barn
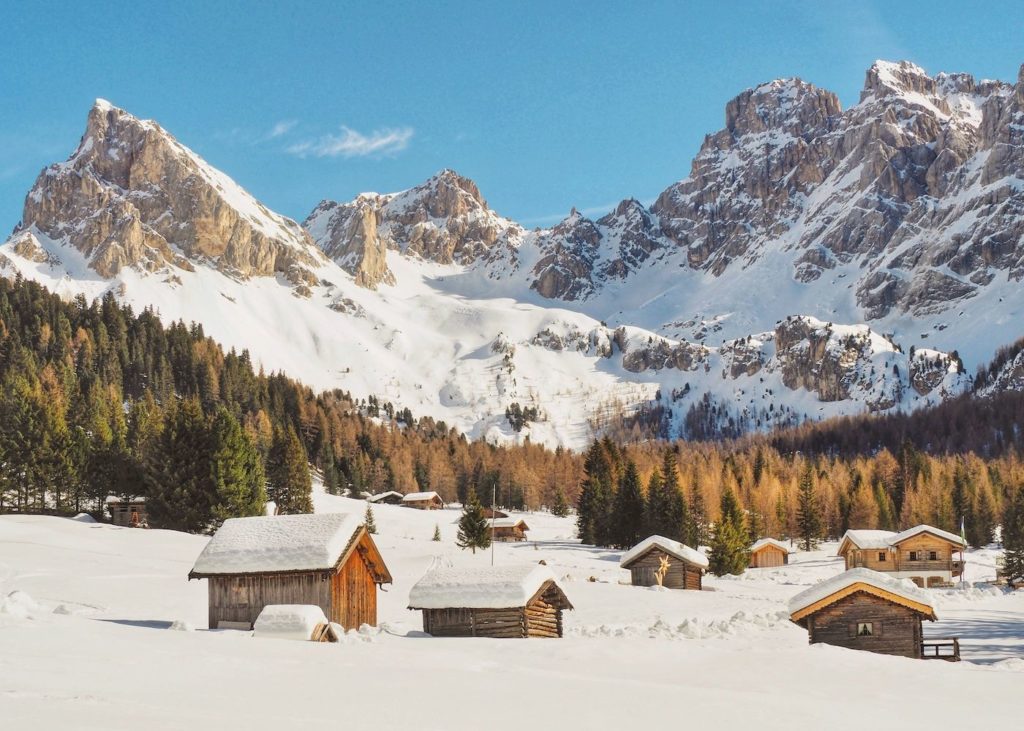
x=767, y=553
x=491, y=601
x=510, y=529
x=866, y=610
x=127, y=513
x=327, y=560
x=677, y=565
x=423, y=501
x=386, y=498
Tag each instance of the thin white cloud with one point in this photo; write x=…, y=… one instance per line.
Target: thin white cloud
x=282, y=128
x=352, y=143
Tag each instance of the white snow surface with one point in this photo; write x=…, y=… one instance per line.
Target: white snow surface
x=479, y=587
x=107, y=663
x=672, y=548
x=416, y=497
x=871, y=539
x=918, y=529
x=901, y=587
x=288, y=621
x=278, y=543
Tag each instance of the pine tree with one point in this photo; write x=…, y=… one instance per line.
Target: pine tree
x=182, y=495
x=236, y=470
x=679, y=522
x=629, y=508
x=369, y=522
x=808, y=517
x=729, y=554
x=1013, y=537
x=474, y=530
x=656, y=506
x=289, y=483
x=437, y=534
x=561, y=507
x=595, y=507
x=698, y=533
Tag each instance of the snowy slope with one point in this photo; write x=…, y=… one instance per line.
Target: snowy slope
x=96, y=651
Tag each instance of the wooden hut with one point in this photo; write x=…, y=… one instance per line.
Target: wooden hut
x=423, y=501
x=768, y=553
x=924, y=554
x=865, y=610
x=679, y=566
x=386, y=498
x=503, y=601
x=327, y=560
x=127, y=513
x=494, y=513
x=510, y=529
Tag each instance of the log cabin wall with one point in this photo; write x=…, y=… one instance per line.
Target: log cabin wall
x=896, y=630
x=543, y=615
x=354, y=594
x=769, y=557
x=454, y=622
x=242, y=598
x=680, y=574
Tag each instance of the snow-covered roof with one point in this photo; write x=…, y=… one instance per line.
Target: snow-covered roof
x=276, y=543
x=413, y=497
x=672, y=548
x=289, y=621
x=510, y=523
x=864, y=579
x=886, y=539
x=110, y=499
x=481, y=587
x=381, y=495
x=759, y=544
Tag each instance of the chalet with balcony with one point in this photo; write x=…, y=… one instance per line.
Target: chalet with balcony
x=926, y=555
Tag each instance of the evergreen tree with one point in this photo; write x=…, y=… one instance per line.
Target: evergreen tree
x=474, y=529
x=808, y=518
x=1013, y=537
x=628, y=508
x=289, y=483
x=181, y=493
x=437, y=534
x=561, y=506
x=679, y=522
x=729, y=544
x=595, y=505
x=698, y=533
x=656, y=506
x=236, y=470
x=369, y=522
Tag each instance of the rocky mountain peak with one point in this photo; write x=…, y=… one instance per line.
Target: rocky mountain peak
x=784, y=104
x=886, y=78
x=133, y=196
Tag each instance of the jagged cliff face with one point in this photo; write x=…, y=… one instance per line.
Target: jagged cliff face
x=132, y=196
x=444, y=220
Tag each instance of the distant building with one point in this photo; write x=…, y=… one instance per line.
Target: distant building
x=866, y=610
x=386, y=498
x=492, y=601
x=923, y=554
x=494, y=513
x=768, y=552
x=680, y=566
x=510, y=529
x=128, y=513
x=328, y=560
x=423, y=501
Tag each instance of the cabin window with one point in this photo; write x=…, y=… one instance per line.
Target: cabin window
x=881, y=556
x=933, y=556
x=865, y=629
x=913, y=555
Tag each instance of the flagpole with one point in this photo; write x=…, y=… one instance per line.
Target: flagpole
x=494, y=488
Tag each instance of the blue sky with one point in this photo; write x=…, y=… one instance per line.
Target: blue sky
x=546, y=105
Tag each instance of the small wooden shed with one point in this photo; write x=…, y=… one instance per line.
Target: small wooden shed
x=768, y=553
x=390, y=497
x=491, y=601
x=865, y=610
x=510, y=529
x=304, y=622
x=680, y=566
x=423, y=501
x=327, y=560
x=127, y=513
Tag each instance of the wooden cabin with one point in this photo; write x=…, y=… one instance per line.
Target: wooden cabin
x=768, y=553
x=386, y=498
x=327, y=560
x=924, y=554
x=423, y=501
x=659, y=560
x=494, y=513
x=490, y=601
x=510, y=529
x=303, y=622
x=127, y=513
x=863, y=609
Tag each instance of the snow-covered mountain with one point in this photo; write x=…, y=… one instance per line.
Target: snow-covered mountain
x=815, y=262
